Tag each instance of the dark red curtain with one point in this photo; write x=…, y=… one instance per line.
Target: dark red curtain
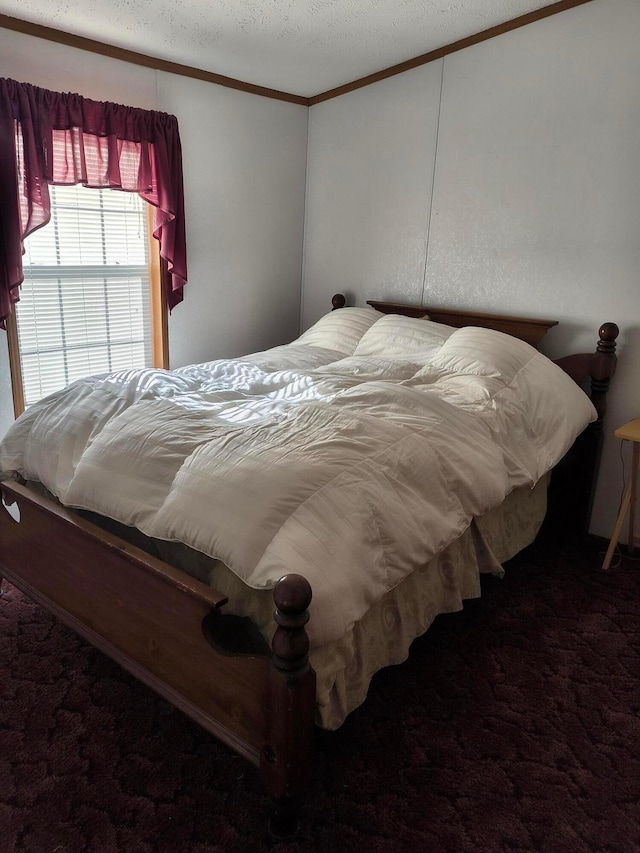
x=62, y=138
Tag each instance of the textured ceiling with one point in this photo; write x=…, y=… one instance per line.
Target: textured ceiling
x=303, y=47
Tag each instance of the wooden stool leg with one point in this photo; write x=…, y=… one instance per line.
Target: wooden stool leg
x=620, y=521
x=634, y=494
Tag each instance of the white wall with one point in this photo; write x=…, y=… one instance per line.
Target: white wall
x=244, y=174
x=536, y=191
x=369, y=184
x=244, y=164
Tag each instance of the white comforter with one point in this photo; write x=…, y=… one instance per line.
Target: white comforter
x=351, y=471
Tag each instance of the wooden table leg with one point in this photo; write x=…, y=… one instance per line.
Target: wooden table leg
x=634, y=495
x=619, y=522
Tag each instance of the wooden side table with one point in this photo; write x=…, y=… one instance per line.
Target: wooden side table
x=628, y=432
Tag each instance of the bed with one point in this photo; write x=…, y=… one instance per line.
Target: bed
x=304, y=558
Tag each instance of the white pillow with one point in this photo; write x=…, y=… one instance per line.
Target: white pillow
x=340, y=330
x=483, y=352
x=397, y=335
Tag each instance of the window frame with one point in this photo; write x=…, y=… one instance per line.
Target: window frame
x=159, y=323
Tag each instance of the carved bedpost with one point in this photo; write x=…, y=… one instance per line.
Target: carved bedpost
x=287, y=754
x=573, y=481
x=603, y=366
x=589, y=445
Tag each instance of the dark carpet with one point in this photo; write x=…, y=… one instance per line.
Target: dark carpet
x=514, y=726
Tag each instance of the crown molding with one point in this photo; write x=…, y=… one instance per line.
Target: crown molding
x=439, y=53
x=113, y=52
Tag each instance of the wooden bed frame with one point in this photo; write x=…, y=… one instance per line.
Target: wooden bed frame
x=170, y=630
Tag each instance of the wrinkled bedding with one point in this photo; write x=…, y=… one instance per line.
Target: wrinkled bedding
x=353, y=469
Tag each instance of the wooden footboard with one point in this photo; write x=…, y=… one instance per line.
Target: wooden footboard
x=160, y=624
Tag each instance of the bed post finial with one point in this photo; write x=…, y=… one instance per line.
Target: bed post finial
x=290, y=644
x=287, y=754
x=338, y=301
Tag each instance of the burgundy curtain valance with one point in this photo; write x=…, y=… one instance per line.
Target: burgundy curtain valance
x=62, y=138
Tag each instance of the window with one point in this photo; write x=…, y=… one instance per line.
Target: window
x=86, y=303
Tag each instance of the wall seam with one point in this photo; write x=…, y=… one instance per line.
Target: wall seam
x=304, y=224
x=433, y=185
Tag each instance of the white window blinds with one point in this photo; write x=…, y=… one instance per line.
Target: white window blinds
x=84, y=305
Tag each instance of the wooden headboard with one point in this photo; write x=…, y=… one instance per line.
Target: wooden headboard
x=529, y=329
